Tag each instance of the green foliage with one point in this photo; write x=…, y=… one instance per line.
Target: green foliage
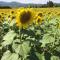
x=55, y=58
x=40, y=42
x=47, y=39
x=8, y=38
x=9, y=56
x=21, y=49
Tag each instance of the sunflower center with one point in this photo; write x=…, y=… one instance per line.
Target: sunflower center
x=38, y=20
x=0, y=16
x=25, y=17
x=40, y=14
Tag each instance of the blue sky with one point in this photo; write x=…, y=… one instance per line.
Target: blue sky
x=32, y=1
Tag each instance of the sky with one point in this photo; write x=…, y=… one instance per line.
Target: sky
x=32, y=1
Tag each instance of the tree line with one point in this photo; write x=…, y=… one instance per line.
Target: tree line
x=49, y=4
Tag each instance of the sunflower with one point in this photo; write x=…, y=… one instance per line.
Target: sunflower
x=24, y=17
x=0, y=17
x=13, y=17
x=40, y=14
x=12, y=12
x=39, y=20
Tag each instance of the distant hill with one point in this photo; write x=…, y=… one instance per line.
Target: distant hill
x=17, y=4
x=12, y=4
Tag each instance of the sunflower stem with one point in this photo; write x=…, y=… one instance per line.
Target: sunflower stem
x=20, y=34
x=20, y=39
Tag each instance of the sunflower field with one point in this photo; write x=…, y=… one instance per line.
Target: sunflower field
x=30, y=34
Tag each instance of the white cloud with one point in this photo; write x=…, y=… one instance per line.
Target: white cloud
x=56, y=1
x=32, y=1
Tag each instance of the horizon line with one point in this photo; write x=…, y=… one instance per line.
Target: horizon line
x=26, y=3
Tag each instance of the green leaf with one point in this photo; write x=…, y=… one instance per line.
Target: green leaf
x=5, y=22
x=8, y=38
x=30, y=38
x=6, y=55
x=19, y=59
x=9, y=56
x=58, y=32
x=38, y=32
x=57, y=48
x=16, y=46
x=40, y=56
x=31, y=28
x=53, y=21
x=26, y=47
x=12, y=22
x=13, y=56
x=0, y=47
x=47, y=39
x=22, y=49
x=55, y=58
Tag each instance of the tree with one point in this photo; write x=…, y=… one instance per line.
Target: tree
x=50, y=4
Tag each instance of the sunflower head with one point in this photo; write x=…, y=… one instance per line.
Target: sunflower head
x=40, y=14
x=39, y=20
x=13, y=17
x=49, y=13
x=24, y=17
x=2, y=13
x=12, y=12
x=58, y=14
x=9, y=16
x=0, y=16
